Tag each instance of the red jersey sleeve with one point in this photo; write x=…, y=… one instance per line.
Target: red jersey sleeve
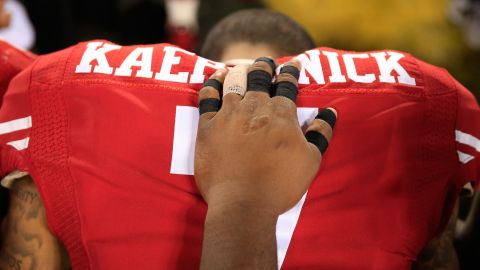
x=15, y=125
x=13, y=60
x=467, y=136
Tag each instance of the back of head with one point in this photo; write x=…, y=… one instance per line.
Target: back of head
x=257, y=27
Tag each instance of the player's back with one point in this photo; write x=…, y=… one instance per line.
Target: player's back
x=111, y=140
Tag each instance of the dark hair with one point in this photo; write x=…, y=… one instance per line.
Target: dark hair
x=255, y=26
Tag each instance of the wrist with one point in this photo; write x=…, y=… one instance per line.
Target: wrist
x=244, y=210
x=242, y=200
x=239, y=235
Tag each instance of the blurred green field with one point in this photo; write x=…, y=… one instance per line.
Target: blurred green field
x=420, y=27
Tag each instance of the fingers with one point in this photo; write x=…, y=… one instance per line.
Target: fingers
x=287, y=81
x=209, y=95
x=319, y=132
x=235, y=84
x=285, y=90
x=259, y=78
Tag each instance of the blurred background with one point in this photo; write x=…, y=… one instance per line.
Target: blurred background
x=443, y=32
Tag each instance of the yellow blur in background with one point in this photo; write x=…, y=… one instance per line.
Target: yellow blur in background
x=420, y=27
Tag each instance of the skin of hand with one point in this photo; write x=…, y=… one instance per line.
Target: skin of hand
x=252, y=163
x=253, y=150
x=4, y=15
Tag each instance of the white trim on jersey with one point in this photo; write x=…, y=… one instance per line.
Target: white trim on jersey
x=467, y=139
x=15, y=125
x=286, y=224
x=464, y=158
x=20, y=144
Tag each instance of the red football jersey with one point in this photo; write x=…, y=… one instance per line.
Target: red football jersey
x=108, y=133
x=12, y=61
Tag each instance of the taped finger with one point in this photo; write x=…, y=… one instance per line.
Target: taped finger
x=236, y=81
x=287, y=81
x=260, y=75
x=209, y=95
x=320, y=131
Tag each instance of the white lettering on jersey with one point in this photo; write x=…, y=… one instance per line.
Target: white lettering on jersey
x=140, y=57
x=94, y=52
x=197, y=75
x=169, y=60
x=185, y=133
x=389, y=68
x=386, y=66
x=337, y=76
x=311, y=63
x=352, y=70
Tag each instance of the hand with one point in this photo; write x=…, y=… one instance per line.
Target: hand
x=4, y=15
x=252, y=151
x=252, y=162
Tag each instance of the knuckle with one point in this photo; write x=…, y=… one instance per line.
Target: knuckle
x=219, y=75
x=284, y=106
x=249, y=103
x=208, y=92
x=260, y=65
x=324, y=128
x=295, y=63
x=284, y=103
x=287, y=77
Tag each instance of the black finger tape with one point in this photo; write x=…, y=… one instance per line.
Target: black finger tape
x=318, y=140
x=287, y=89
x=213, y=83
x=328, y=116
x=209, y=105
x=269, y=61
x=292, y=70
x=259, y=80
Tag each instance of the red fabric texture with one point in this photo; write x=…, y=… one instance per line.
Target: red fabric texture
x=12, y=61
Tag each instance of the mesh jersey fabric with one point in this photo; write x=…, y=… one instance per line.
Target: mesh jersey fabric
x=107, y=133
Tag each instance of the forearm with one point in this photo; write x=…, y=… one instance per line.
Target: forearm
x=37, y=253
x=26, y=242
x=442, y=257
x=440, y=253
x=238, y=236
